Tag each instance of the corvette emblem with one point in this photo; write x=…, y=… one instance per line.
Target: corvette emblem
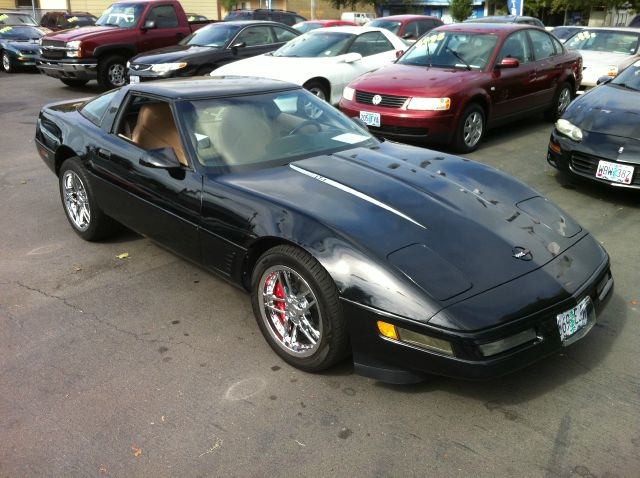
x=620, y=149
x=376, y=100
x=522, y=253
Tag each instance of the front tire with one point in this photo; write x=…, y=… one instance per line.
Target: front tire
x=112, y=72
x=318, y=89
x=75, y=83
x=79, y=203
x=296, y=304
x=561, y=101
x=470, y=129
x=8, y=64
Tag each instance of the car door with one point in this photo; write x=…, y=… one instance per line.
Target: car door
x=163, y=204
x=548, y=66
x=512, y=90
x=257, y=39
x=167, y=30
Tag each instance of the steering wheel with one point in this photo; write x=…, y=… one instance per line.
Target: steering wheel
x=303, y=124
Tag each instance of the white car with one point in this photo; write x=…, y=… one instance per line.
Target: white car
x=323, y=60
x=605, y=51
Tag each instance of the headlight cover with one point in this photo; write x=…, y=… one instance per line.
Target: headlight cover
x=429, y=104
x=166, y=67
x=73, y=49
x=569, y=130
x=348, y=93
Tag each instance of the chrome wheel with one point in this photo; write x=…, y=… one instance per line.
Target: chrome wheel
x=6, y=62
x=290, y=311
x=116, y=74
x=473, y=128
x=563, y=100
x=76, y=202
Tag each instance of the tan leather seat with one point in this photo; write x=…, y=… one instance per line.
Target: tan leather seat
x=242, y=134
x=156, y=129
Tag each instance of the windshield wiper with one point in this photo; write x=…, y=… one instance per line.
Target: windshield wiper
x=455, y=53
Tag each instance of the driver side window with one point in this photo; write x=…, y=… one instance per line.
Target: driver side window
x=255, y=36
x=149, y=124
x=370, y=43
x=164, y=16
x=516, y=46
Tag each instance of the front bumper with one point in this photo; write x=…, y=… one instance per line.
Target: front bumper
x=582, y=158
x=81, y=69
x=393, y=362
x=427, y=126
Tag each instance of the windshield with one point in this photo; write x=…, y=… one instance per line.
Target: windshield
x=216, y=35
x=629, y=78
x=562, y=33
x=305, y=27
x=393, y=27
x=123, y=15
x=604, y=40
x=18, y=33
x=451, y=50
x=17, y=19
x=285, y=126
x=322, y=43
x=80, y=20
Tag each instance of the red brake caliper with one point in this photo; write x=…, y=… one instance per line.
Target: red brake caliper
x=279, y=293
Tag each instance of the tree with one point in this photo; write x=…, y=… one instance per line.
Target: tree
x=229, y=4
x=461, y=9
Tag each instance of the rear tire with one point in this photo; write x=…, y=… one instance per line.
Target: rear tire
x=112, y=72
x=75, y=83
x=80, y=205
x=470, y=129
x=561, y=101
x=296, y=304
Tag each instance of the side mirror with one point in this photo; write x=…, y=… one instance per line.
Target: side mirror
x=399, y=53
x=509, y=62
x=149, y=25
x=239, y=44
x=351, y=57
x=604, y=79
x=163, y=158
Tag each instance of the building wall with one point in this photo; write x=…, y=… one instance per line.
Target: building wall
x=324, y=9
x=7, y=4
x=208, y=8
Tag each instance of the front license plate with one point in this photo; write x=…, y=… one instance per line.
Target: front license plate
x=618, y=173
x=576, y=322
x=370, y=119
x=134, y=80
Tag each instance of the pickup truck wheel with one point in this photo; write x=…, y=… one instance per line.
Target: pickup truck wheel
x=74, y=82
x=112, y=72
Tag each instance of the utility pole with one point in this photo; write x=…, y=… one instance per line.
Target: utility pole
x=313, y=9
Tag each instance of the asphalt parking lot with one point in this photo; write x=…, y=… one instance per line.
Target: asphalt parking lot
x=147, y=366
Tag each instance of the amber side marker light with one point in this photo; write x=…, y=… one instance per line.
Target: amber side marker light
x=555, y=147
x=414, y=338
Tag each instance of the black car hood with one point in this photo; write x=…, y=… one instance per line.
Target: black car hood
x=175, y=53
x=468, y=216
x=608, y=109
x=23, y=45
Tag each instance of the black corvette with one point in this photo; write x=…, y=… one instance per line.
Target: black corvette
x=598, y=137
x=210, y=47
x=414, y=261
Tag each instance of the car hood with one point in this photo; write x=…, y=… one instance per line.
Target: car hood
x=174, y=53
x=25, y=45
x=479, y=226
x=608, y=109
x=602, y=59
x=411, y=80
x=82, y=33
x=277, y=67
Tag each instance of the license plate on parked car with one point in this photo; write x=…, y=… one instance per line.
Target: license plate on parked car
x=370, y=119
x=134, y=80
x=618, y=173
x=580, y=318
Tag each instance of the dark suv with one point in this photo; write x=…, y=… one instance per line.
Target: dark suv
x=63, y=20
x=282, y=16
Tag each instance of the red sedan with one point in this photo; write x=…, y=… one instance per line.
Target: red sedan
x=459, y=80
x=309, y=25
x=408, y=27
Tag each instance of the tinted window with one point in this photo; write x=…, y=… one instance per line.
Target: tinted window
x=18, y=32
x=557, y=45
x=283, y=35
x=16, y=19
x=411, y=30
x=164, y=16
x=425, y=25
x=603, y=40
x=95, y=109
x=307, y=27
x=321, y=43
x=299, y=19
x=516, y=46
x=216, y=35
x=542, y=45
x=393, y=27
x=370, y=43
x=256, y=36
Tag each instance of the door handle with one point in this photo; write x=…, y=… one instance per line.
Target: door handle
x=104, y=153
